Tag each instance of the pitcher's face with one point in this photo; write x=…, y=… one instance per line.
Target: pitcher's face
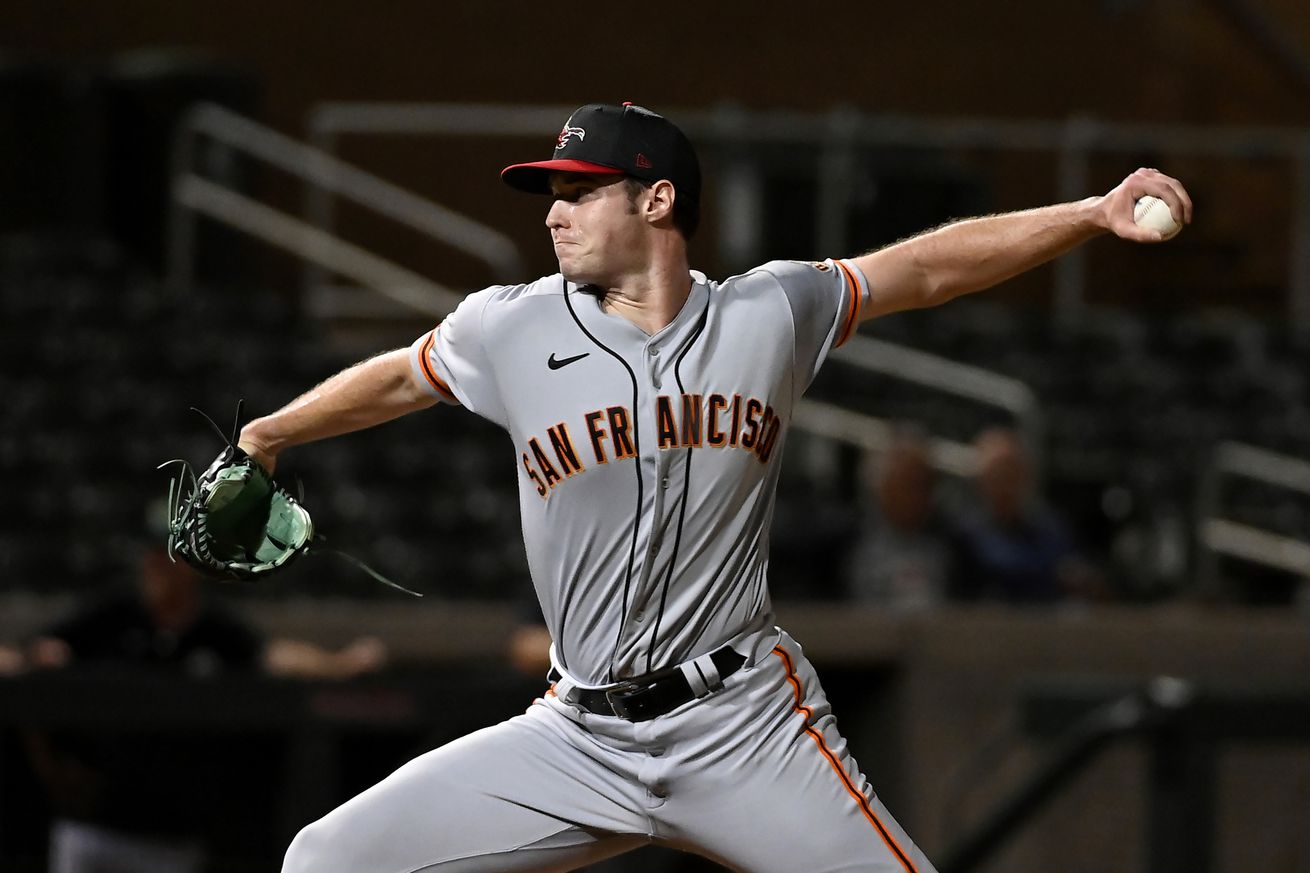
x=595, y=228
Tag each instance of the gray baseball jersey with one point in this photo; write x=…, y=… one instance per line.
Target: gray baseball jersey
x=647, y=464
x=647, y=469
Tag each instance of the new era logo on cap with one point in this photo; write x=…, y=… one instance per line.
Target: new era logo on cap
x=603, y=138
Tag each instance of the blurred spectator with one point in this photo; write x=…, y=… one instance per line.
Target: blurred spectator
x=169, y=622
x=11, y=661
x=528, y=649
x=164, y=622
x=136, y=812
x=904, y=555
x=1013, y=548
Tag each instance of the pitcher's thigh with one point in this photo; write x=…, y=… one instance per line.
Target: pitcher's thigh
x=791, y=796
x=807, y=809
x=513, y=797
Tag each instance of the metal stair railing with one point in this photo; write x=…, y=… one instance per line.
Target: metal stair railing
x=1217, y=536
x=873, y=434
x=193, y=194
x=961, y=380
x=1183, y=727
x=835, y=137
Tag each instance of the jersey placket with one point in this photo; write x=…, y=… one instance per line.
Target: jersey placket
x=651, y=363
x=640, y=611
x=656, y=377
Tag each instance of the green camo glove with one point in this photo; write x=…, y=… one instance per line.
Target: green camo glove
x=236, y=522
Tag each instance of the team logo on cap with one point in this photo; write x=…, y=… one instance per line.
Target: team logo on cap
x=568, y=132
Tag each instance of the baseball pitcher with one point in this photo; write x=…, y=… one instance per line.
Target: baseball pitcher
x=648, y=407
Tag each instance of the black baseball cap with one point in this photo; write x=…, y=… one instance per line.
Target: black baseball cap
x=602, y=138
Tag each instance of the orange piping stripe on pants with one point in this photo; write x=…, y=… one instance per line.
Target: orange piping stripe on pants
x=836, y=765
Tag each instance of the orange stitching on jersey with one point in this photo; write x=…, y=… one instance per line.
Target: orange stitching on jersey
x=836, y=765
x=433, y=379
x=853, y=314
x=859, y=296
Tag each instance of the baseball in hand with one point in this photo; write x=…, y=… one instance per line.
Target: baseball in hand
x=1153, y=213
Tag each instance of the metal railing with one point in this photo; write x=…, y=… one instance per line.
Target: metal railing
x=193, y=194
x=876, y=435
x=961, y=380
x=835, y=139
x=1217, y=536
x=1184, y=730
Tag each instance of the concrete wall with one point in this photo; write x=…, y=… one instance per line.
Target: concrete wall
x=1161, y=61
x=925, y=700
x=1169, y=60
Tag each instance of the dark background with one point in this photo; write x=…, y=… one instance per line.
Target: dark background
x=98, y=364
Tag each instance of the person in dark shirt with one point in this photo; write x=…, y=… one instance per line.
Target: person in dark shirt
x=165, y=623
x=137, y=803
x=1014, y=548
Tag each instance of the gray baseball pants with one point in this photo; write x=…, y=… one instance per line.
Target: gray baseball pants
x=755, y=776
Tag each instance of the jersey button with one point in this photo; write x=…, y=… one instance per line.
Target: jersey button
x=664, y=483
x=639, y=616
x=654, y=352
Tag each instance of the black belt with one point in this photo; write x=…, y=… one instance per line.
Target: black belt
x=652, y=695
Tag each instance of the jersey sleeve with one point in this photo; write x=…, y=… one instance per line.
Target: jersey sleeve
x=826, y=298
x=452, y=362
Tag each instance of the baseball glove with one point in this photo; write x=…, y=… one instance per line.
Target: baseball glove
x=234, y=522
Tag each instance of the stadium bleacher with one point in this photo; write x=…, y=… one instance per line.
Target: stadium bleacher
x=102, y=365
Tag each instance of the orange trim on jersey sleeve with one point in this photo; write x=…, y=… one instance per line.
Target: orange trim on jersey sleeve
x=428, y=373
x=860, y=799
x=853, y=310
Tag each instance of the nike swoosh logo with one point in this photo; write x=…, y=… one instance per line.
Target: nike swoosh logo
x=555, y=363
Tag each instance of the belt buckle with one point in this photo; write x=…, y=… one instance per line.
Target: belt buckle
x=625, y=699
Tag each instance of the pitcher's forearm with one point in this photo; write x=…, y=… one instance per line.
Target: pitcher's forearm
x=968, y=256
x=982, y=252
x=971, y=255
x=369, y=393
